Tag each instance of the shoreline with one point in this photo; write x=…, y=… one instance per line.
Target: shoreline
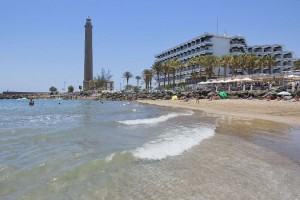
x=277, y=111
x=273, y=125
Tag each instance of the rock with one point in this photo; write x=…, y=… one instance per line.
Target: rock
x=167, y=97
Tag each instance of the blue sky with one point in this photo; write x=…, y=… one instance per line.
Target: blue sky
x=42, y=41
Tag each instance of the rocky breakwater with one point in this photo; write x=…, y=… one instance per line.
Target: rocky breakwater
x=24, y=95
x=167, y=95
x=164, y=95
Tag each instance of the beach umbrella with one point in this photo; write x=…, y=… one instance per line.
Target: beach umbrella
x=292, y=76
x=229, y=81
x=223, y=95
x=202, y=83
x=247, y=79
x=237, y=80
x=283, y=93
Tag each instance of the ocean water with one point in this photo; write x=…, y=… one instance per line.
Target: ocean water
x=125, y=150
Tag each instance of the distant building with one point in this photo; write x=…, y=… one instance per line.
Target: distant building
x=219, y=45
x=110, y=86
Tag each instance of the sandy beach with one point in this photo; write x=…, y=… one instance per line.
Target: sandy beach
x=277, y=111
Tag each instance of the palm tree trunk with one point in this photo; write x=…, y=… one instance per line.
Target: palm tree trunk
x=180, y=75
x=173, y=79
x=200, y=73
x=225, y=71
x=158, y=80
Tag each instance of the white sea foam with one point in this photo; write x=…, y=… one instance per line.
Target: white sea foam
x=110, y=157
x=155, y=120
x=50, y=119
x=173, y=143
x=22, y=98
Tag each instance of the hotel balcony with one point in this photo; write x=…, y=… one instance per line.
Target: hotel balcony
x=206, y=52
x=277, y=48
x=258, y=50
x=236, y=53
x=206, y=38
x=189, y=51
x=287, y=55
x=278, y=55
x=268, y=49
x=237, y=50
x=238, y=45
x=278, y=63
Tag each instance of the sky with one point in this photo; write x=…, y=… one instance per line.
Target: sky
x=42, y=41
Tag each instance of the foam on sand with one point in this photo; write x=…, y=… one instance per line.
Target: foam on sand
x=173, y=143
x=155, y=120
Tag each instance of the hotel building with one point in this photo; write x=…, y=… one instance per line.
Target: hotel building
x=219, y=45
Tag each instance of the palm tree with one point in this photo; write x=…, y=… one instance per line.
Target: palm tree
x=258, y=64
x=251, y=62
x=157, y=68
x=194, y=61
x=127, y=75
x=195, y=76
x=270, y=62
x=210, y=62
x=296, y=65
x=181, y=66
x=225, y=62
x=166, y=71
x=234, y=63
x=243, y=60
x=174, y=65
x=198, y=60
x=138, y=78
x=148, y=75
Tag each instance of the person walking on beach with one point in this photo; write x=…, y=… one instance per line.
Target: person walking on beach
x=197, y=98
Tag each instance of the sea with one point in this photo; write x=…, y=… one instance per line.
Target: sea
x=84, y=149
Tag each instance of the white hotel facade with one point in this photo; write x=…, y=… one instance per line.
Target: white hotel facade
x=219, y=45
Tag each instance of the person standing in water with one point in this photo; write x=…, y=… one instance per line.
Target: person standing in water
x=31, y=102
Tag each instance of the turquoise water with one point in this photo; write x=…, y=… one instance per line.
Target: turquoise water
x=60, y=149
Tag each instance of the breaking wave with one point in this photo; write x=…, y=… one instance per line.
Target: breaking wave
x=173, y=143
x=155, y=120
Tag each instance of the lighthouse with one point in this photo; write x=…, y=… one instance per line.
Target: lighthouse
x=88, y=54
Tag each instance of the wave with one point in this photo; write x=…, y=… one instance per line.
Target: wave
x=155, y=120
x=109, y=157
x=173, y=143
